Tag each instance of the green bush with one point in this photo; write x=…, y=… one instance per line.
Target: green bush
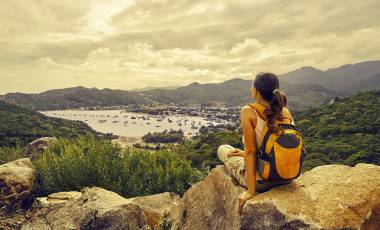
x=8, y=154
x=202, y=149
x=171, y=136
x=70, y=164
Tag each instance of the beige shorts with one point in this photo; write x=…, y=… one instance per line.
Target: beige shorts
x=236, y=167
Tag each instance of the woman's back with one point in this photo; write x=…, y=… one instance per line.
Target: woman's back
x=262, y=120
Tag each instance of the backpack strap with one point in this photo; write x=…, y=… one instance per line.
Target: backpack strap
x=256, y=108
x=259, y=109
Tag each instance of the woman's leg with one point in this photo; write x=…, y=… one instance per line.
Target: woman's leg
x=235, y=164
x=236, y=167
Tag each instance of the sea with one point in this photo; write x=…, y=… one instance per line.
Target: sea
x=129, y=124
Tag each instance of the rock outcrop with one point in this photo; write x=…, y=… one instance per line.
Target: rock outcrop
x=155, y=206
x=327, y=197
x=16, y=182
x=40, y=144
x=97, y=208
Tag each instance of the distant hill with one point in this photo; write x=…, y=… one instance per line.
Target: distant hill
x=233, y=92
x=74, y=98
x=19, y=126
x=367, y=84
x=344, y=79
x=151, y=88
x=237, y=92
x=305, y=87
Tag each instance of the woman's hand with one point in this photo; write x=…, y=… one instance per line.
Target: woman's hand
x=242, y=199
x=235, y=152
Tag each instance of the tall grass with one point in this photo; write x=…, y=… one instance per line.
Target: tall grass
x=8, y=154
x=70, y=164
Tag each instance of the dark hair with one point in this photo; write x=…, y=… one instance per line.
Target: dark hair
x=266, y=83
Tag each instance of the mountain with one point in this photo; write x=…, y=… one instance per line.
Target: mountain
x=74, y=98
x=151, y=88
x=342, y=79
x=236, y=92
x=367, y=84
x=304, y=75
x=348, y=75
x=19, y=126
x=305, y=87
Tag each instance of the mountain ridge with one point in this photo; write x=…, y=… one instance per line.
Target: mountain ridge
x=306, y=87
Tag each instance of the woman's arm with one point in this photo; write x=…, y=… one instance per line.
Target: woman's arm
x=250, y=146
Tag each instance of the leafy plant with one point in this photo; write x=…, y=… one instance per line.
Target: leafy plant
x=70, y=164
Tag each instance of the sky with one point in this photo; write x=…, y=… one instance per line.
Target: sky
x=128, y=44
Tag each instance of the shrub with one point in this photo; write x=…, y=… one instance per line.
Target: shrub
x=8, y=154
x=70, y=164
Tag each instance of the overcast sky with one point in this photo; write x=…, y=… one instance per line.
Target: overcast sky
x=125, y=44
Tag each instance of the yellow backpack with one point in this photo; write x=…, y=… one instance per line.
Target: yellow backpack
x=280, y=156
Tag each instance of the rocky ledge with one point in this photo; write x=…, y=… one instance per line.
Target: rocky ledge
x=327, y=197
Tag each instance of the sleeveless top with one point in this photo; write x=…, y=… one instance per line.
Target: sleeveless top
x=261, y=123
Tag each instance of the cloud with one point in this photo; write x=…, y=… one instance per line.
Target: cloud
x=131, y=44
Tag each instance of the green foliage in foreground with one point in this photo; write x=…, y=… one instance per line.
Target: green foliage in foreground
x=72, y=164
x=202, y=150
x=8, y=154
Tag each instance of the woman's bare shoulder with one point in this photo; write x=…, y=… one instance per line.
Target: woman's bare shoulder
x=247, y=110
x=248, y=113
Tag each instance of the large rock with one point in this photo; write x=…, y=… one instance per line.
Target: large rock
x=209, y=204
x=94, y=208
x=327, y=197
x=155, y=206
x=16, y=182
x=40, y=144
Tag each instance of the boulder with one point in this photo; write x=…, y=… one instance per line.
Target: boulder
x=209, y=204
x=40, y=144
x=327, y=197
x=16, y=182
x=155, y=206
x=92, y=208
x=55, y=199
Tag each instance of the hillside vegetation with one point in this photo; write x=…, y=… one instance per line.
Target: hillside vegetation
x=19, y=126
x=345, y=132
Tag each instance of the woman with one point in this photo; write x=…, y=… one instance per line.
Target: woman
x=269, y=108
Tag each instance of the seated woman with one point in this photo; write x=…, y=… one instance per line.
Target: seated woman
x=269, y=108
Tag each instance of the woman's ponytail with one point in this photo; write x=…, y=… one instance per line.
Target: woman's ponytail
x=268, y=85
x=275, y=113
